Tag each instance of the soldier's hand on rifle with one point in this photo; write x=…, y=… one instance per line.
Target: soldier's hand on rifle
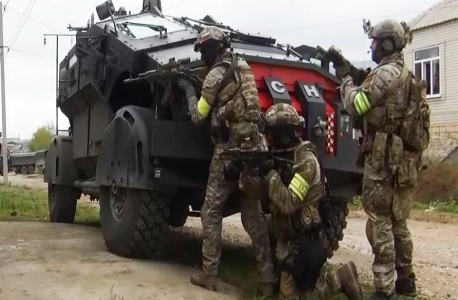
x=342, y=71
x=185, y=85
x=266, y=167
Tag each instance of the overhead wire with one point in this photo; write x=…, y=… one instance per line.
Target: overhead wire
x=35, y=20
x=23, y=24
x=18, y=25
x=173, y=5
x=29, y=53
x=4, y=9
x=88, y=10
x=350, y=20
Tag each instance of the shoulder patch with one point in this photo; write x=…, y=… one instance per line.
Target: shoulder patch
x=214, y=77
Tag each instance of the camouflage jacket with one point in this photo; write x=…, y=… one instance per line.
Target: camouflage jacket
x=380, y=103
x=232, y=102
x=295, y=205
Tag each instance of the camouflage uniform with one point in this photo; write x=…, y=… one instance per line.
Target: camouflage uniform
x=296, y=194
x=230, y=107
x=387, y=184
x=295, y=212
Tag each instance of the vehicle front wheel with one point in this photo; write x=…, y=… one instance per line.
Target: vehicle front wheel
x=62, y=203
x=31, y=169
x=134, y=222
x=24, y=170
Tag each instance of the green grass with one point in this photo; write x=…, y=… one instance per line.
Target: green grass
x=444, y=205
x=450, y=206
x=20, y=203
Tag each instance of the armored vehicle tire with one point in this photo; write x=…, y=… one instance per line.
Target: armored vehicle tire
x=24, y=170
x=134, y=222
x=30, y=169
x=334, y=229
x=62, y=203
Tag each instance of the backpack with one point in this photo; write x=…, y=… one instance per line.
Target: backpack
x=415, y=124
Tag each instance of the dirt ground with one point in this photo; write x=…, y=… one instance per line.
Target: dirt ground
x=54, y=261
x=33, y=180
x=438, y=182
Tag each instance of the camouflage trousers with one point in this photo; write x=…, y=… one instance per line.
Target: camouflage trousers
x=327, y=286
x=387, y=232
x=253, y=220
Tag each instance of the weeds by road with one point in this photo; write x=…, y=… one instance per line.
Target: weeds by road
x=21, y=203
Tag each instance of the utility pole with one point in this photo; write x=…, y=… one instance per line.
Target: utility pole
x=2, y=74
x=57, y=73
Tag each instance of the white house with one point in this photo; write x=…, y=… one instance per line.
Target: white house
x=433, y=56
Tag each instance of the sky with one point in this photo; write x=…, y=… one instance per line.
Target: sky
x=31, y=66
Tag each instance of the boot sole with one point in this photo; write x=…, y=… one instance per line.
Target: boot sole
x=354, y=273
x=212, y=288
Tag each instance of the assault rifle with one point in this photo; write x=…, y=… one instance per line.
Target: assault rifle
x=335, y=56
x=257, y=159
x=169, y=73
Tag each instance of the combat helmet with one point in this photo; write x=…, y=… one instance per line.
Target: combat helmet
x=211, y=34
x=283, y=114
x=398, y=32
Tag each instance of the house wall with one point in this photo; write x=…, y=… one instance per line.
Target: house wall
x=444, y=109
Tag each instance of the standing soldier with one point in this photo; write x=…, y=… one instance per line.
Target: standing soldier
x=298, y=190
x=229, y=93
x=391, y=107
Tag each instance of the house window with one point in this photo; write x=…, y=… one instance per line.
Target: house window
x=427, y=67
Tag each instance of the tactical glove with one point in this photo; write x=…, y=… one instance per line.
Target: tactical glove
x=232, y=171
x=185, y=85
x=266, y=167
x=342, y=71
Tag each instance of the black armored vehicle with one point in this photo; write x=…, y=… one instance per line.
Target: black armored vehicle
x=132, y=145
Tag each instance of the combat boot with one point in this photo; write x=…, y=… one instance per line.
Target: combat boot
x=266, y=290
x=348, y=278
x=203, y=280
x=406, y=287
x=383, y=296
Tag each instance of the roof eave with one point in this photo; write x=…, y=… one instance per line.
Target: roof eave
x=433, y=25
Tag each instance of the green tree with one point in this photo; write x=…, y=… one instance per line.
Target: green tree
x=42, y=138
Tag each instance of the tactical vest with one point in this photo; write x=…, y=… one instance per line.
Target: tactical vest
x=396, y=132
x=308, y=216
x=237, y=106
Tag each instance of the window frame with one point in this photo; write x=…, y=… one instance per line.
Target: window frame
x=431, y=60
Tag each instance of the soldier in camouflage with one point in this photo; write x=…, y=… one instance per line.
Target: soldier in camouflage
x=296, y=193
x=390, y=169
x=230, y=95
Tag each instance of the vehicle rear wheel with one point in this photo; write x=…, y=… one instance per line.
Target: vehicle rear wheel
x=134, y=222
x=336, y=224
x=62, y=203
x=31, y=169
x=24, y=170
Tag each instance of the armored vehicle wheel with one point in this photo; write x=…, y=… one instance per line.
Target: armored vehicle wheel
x=338, y=222
x=17, y=171
x=134, y=222
x=30, y=169
x=62, y=203
x=24, y=170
